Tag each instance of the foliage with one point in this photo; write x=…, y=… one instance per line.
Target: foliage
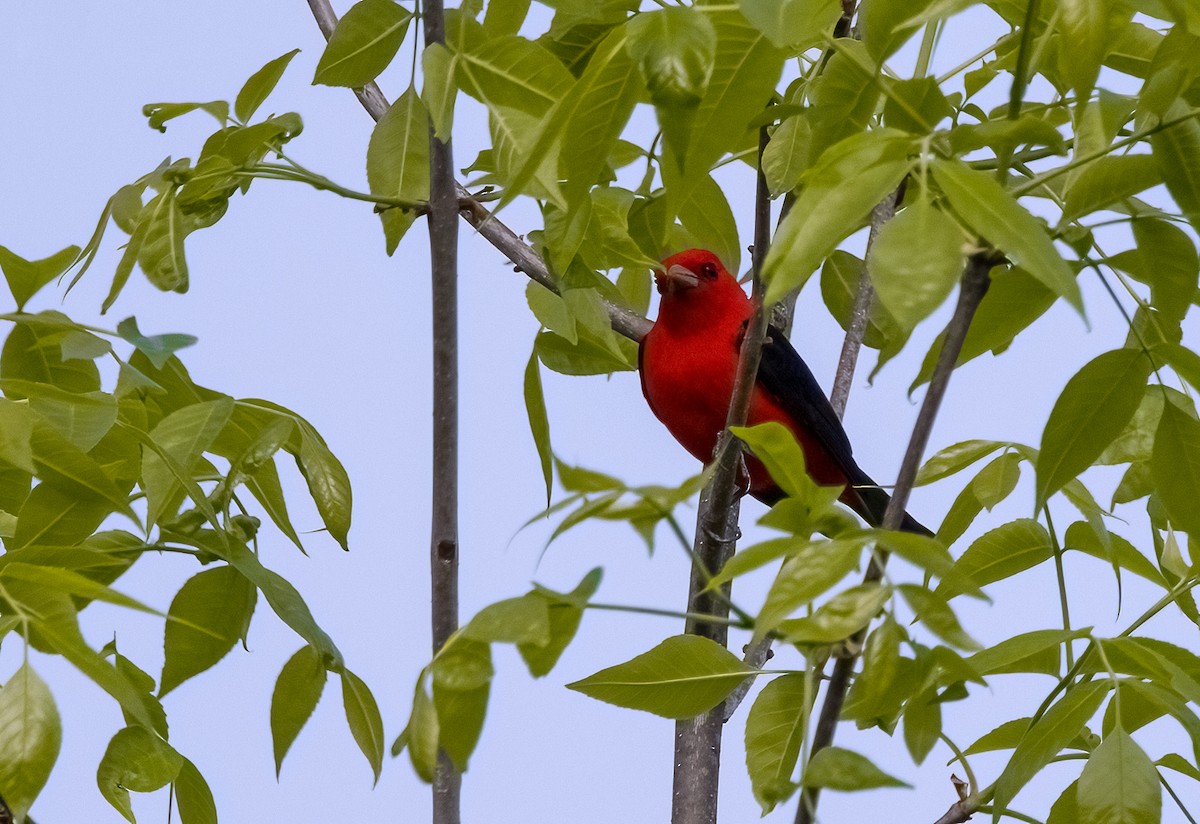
x=1049, y=146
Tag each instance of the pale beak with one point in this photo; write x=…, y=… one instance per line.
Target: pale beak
x=676, y=279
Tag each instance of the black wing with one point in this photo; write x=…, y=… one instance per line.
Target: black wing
x=785, y=375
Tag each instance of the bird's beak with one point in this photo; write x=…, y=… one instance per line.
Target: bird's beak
x=675, y=279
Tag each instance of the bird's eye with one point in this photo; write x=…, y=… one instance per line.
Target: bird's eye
x=709, y=271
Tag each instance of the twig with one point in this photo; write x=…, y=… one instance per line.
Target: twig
x=975, y=282
x=698, y=740
x=860, y=315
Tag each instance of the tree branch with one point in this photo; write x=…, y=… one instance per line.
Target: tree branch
x=443, y=545
x=975, y=283
x=698, y=740
x=625, y=322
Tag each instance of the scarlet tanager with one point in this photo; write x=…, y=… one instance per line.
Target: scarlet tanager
x=688, y=364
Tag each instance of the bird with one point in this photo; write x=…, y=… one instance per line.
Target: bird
x=688, y=362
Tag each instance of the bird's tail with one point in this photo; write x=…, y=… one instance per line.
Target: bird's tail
x=873, y=503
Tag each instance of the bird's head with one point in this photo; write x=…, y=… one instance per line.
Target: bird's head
x=698, y=291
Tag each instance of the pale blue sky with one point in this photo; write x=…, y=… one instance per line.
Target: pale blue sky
x=294, y=300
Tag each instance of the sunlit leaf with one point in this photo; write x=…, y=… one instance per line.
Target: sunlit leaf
x=1096, y=405
x=774, y=734
x=30, y=738
x=363, y=44
x=996, y=216
x=297, y=691
x=683, y=676
x=837, y=769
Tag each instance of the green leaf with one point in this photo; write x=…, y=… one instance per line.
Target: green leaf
x=775, y=445
x=745, y=71
x=539, y=421
x=804, y=576
x=33, y=352
x=54, y=516
x=1109, y=180
x=439, y=91
x=759, y=555
x=1084, y=24
x=1036, y=651
x=1046, y=736
x=798, y=24
x=398, y=162
x=460, y=720
x=84, y=418
x=1176, y=762
x=208, y=615
x=565, y=612
x=915, y=262
x=844, y=96
x=160, y=254
x=62, y=464
x=1175, y=467
x=297, y=691
x=1169, y=264
x=328, y=482
x=463, y=664
x=16, y=428
x=512, y=72
x=916, y=105
x=839, y=618
x=874, y=692
x=787, y=155
x=1004, y=737
x=26, y=277
x=193, y=797
x=158, y=114
x=260, y=84
x=363, y=44
x=362, y=715
x=885, y=25
x=674, y=48
x=994, y=214
x=30, y=738
x=286, y=602
x=423, y=734
x=922, y=724
x=523, y=620
x=1119, y=784
x=709, y=220
x=933, y=611
x=1093, y=409
x=954, y=459
x=136, y=759
x=683, y=676
x=837, y=769
x=592, y=116
x=183, y=435
x=1177, y=150
x=840, y=279
x=840, y=191
x=158, y=348
x=1001, y=553
x=774, y=734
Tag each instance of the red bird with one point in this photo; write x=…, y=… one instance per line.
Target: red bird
x=688, y=362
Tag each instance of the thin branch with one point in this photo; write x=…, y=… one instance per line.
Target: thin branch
x=698, y=740
x=443, y=545
x=625, y=322
x=975, y=283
